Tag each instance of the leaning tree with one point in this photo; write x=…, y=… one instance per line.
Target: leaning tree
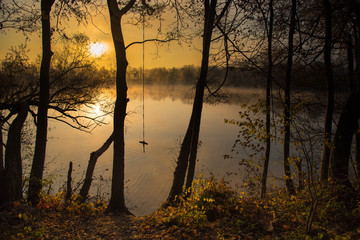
x=211, y=13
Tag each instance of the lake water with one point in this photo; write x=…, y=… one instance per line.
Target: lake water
x=149, y=175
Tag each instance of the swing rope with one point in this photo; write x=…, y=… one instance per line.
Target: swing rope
x=143, y=142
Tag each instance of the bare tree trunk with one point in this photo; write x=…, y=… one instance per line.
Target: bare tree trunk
x=352, y=89
x=1, y=151
x=117, y=199
x=287, y=172
x=37, y=168
x=347, y=125
x=324, y=172
x=198, y=104
x=68, y=186
x=13, y=163
x=181, y=166
x=84, y=191
x=210, y=12
x=268, y=101
x=2, y=170
x=349, y=117
x=188, y=152
x=357, y=154
x=356, y=86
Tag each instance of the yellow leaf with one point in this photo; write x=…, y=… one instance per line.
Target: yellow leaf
x=286, y=227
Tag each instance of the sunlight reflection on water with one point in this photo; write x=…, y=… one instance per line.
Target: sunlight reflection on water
x=149, y=175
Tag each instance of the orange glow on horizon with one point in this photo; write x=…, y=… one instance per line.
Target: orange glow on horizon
x=167, y=55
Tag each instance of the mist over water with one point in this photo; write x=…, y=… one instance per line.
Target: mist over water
x=149, y=174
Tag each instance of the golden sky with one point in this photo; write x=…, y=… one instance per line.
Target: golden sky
x=165, y=55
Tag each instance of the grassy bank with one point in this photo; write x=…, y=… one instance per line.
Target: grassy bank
x=212, y=211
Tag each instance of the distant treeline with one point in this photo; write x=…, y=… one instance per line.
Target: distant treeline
x=188, y=75
x=304, y=78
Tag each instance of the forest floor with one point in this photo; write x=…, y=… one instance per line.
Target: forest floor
x=34, y=223
x=213, y=211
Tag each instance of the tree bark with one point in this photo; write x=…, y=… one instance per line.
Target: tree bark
x=68, y=185
x=324, y=172
x=287, y=171
x=2, y=171
x=13, y=163
x=1, y=151
x=84, y=191
x=181, y=165
x=356, y=84
x=37, y=168
x=117, y=199
x=268, y=101
x=347, y=126
x=357, y=154
x=210, y=13
x=187, y=156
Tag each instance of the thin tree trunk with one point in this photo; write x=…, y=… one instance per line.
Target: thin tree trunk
x=84, y=191
x=41, y=133
x=352, y=89
x=117, y=198
x=13, y=163
x=210, y=13
x=198, y=104
x=188, y=152
x=181, y=165
x=2, y=171
x=324, y=172
x=287, y=172
x=1, y=151
x=357, y=87
x=356, y=10
x=300, y=174
x=357, y=154
x=68, y=186
x=268, y=101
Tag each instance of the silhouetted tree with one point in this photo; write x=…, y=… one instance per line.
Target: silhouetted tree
x=348, y=121
x=66, y=8
x=187, y=156
x=75, y=82
x=84, y=191
x=117, y=199
x=330, y=92
x=41, y=130
x=287, y=108
x=12, y=185
x=269, y=31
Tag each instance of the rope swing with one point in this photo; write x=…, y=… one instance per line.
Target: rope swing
x=143, y=142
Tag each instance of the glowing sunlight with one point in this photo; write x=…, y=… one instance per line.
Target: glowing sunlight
x=97, y=110
x=97, y=49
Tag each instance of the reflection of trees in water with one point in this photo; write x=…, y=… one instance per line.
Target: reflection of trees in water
x=162, y=92
x=312, y=102
x=185, y=93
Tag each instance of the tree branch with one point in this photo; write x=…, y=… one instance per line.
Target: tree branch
x=150, y=40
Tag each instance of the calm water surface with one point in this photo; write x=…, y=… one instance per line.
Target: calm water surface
x=149, y=175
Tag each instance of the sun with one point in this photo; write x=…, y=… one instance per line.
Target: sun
x=97, y=49
x=97, y=109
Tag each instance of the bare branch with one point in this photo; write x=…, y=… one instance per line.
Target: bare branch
x=150, y=40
